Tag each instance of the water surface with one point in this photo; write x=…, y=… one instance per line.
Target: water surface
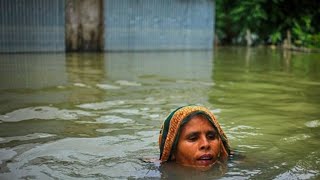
x=93, y=116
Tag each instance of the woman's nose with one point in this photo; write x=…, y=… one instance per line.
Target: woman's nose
x=204, y=143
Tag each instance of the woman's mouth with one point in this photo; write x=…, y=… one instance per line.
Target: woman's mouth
x=205, y=160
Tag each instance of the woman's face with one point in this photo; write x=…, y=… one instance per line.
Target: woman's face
x=198, y=144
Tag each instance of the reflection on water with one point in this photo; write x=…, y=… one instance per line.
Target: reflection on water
x=71, y=116
x=170, y=66
x=32, y=71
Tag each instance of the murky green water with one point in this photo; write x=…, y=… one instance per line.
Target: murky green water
x=92, y=116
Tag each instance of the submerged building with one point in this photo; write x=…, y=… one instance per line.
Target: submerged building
x=105, y=25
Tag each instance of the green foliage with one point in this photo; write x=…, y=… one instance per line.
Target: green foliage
x=315, y=40
x=304, y=33
x=234, y=17
x=249, y=13
x=270, y=20
x=275, y=37
x=302, y=36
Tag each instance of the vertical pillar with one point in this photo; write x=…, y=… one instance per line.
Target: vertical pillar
x=84, y=25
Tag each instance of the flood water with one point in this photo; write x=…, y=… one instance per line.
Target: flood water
x=94, y=116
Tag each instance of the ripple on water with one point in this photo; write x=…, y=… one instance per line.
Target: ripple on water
x=148, y=133
x=42, y=112
x=77, y=157
x=150, y=116
x=250, y=146
x=313, y=124
x=126, y=111
x=6, y=154
x=298, y=137
x=101, y=105
x=80, y=85
x=242, y=131
x=297, y=172
x=107, y=130
x=110, y=119
x=26, y=137
x=241, y=174
x=146, y=101
x=107, y=86
x=127, y=83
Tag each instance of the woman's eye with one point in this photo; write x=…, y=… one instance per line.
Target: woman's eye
x=211, y=136
x=192, y=138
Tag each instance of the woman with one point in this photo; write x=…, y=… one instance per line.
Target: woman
x=191, y=136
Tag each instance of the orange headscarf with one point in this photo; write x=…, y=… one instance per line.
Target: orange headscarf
x=171, y=128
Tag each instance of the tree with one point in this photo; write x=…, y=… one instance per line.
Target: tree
x=272, y=21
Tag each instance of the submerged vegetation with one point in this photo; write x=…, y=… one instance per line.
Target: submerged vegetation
x=290, y=23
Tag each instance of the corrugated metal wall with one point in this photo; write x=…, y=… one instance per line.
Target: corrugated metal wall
x=32, y=25
x=158, y=24
x=39, y=25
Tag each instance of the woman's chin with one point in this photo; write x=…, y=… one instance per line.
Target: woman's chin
x=204, y=168
x=205, y=163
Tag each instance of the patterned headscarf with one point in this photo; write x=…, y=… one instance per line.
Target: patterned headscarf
x=170, y=130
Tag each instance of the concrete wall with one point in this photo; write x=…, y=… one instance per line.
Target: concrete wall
x=84, y=25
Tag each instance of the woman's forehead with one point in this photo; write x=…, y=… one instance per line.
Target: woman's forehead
x=198, y=122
